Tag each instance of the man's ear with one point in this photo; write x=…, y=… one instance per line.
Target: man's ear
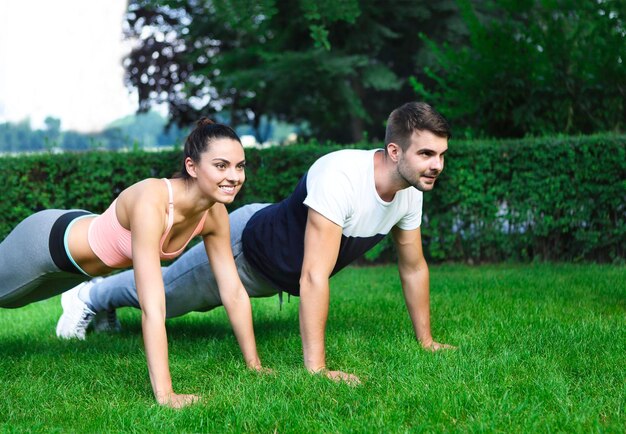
x=394, y=151
x=191, y=167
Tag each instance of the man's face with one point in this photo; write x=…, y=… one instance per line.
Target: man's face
x=422, y=162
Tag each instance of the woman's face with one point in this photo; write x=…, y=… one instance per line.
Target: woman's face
x=221, y=170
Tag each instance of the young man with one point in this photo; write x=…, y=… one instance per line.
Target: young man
x=345, y=204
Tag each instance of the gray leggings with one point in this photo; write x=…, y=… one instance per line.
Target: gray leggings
x=28, y=272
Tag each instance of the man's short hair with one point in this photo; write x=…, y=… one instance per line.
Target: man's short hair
x=414, y=116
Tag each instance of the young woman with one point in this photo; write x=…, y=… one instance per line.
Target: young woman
x=53, y=250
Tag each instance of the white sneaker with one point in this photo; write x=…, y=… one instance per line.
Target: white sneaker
x=76, y=315
x=106, y=322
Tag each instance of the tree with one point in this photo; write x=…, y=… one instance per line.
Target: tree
x=340, y=66
x=533, y=67
x=19, y=137
x=53, y=131
x=75, y=141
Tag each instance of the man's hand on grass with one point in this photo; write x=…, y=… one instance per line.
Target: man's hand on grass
x=340, y=376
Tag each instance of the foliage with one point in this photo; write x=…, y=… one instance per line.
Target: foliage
x=142, y=130
x=495, y=68
x=16, y=137
x=541, y=349
x=535, y=67
x=337, y=65
x=556, y=199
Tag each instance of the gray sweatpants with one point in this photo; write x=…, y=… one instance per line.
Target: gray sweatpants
x=189, y=282
x=27, y=271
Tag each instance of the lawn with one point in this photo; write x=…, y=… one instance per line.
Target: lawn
x=541, y=348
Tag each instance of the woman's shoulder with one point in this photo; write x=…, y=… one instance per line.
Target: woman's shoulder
x=150, y=183
x=146, y=191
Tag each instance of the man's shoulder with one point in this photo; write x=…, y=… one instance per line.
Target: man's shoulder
x=347, y=154
x=344, y=160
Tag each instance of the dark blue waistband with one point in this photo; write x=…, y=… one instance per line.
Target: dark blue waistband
x=56, y=242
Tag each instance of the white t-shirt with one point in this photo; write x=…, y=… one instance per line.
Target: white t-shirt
x=340, y=186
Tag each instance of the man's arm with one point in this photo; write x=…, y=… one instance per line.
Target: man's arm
x=321, y=248
x=415, y=284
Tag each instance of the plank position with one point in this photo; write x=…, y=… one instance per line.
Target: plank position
x=52, y=250
x=345, y=204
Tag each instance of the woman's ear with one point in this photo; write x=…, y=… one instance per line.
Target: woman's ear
x=191, y=167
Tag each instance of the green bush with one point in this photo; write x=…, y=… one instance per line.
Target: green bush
x=557, y=199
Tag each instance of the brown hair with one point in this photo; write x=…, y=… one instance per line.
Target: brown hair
x=414, y=116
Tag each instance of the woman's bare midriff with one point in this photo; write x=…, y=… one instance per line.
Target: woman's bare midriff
x=82, y=253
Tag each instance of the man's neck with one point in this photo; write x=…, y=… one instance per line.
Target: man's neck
x=385, y=179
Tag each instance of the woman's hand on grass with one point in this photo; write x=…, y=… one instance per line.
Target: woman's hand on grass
x=176, y=400
x=260, y=369
x=433, y=346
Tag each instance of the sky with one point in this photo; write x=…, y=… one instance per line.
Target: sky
x=63, y=58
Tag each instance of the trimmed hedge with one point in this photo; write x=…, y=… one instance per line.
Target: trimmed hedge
x=558, y=199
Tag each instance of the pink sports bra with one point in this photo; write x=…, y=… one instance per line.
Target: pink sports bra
x=111, y=242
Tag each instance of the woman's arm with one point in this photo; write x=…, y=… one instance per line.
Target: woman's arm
x=234, y=296
x=146, y=224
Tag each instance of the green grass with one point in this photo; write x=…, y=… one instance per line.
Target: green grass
x=541, y=348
